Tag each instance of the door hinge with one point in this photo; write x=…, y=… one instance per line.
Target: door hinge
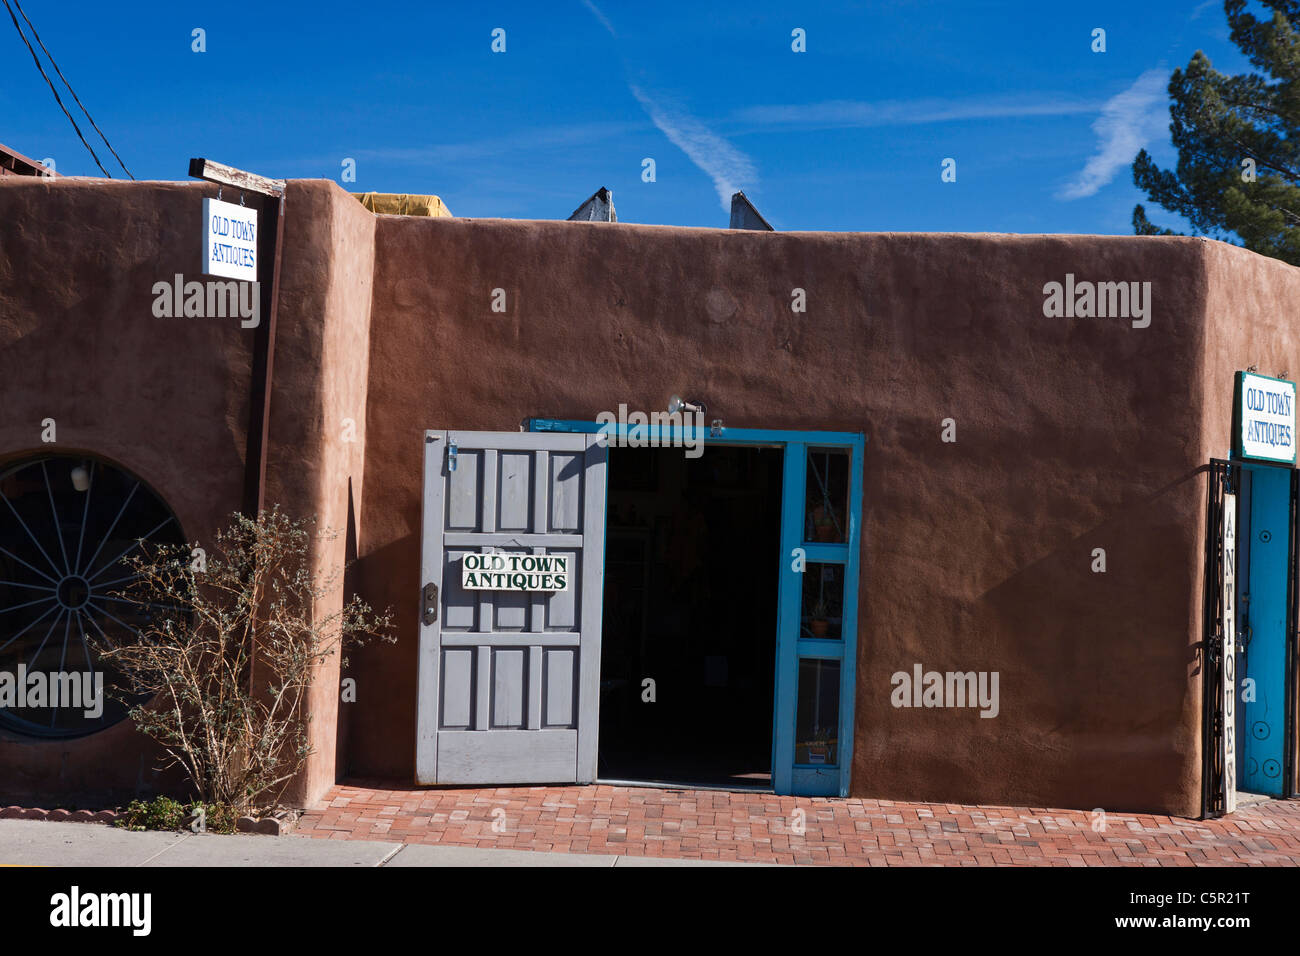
x=429, y=610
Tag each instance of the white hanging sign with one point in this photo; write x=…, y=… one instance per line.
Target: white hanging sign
x=229, y=240
x=1265, y=413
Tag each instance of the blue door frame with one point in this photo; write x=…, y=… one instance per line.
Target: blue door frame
x=792, y=646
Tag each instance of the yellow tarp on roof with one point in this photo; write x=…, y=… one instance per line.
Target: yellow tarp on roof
x=403, y=204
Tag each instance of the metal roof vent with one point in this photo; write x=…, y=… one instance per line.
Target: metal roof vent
x=745, y=216
x=599, y=207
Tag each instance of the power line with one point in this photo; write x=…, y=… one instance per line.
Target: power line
x=31, y=26
x=57, y=98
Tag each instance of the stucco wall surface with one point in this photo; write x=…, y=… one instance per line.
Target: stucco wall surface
x=1073, y=434
x=318, y=411
x=166, y=398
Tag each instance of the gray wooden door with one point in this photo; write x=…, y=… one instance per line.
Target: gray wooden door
x=509, y=680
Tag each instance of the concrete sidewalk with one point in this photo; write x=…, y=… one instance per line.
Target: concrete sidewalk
x=39, y=843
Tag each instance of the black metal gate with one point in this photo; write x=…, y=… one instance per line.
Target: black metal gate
x=1224, y=479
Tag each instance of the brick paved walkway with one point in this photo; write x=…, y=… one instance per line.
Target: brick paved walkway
x=713, y=825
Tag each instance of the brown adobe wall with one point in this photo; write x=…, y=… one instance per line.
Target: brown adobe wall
x=164, y=398
x=1073, y=434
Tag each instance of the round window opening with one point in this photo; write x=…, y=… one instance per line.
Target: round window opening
x=66, y=523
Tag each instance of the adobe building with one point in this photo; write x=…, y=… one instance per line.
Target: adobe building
x=925, y=527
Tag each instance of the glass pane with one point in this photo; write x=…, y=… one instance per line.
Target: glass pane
x=822, y=614
x=817, y=722
x=827, y=492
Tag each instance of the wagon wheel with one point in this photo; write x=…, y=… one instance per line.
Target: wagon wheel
x=66, y=523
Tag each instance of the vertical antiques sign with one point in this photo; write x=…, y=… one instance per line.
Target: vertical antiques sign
x=1228, y=687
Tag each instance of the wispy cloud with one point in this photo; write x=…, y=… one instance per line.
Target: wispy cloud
x=604, y=20
x=1128, y=121
x=561, y=137
x=847, y=114
x=729, y=168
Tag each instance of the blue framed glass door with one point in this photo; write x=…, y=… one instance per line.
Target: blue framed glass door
x=817, y=601
x=818, y=609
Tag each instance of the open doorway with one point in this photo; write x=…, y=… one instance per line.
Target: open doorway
x=690, y=603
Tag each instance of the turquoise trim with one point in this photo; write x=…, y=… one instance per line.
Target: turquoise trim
x=787, y=777
x=809, y=780
x=849, y=668
x=729, y=435
x=821, y=647
x=827, y=553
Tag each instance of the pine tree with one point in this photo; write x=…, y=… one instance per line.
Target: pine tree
x=1238, y=141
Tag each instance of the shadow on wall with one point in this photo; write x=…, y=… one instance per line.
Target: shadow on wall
x=351, y=583
x=1137, y=674
x=386, y=675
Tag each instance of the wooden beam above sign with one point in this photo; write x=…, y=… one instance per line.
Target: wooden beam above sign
x=238, y=179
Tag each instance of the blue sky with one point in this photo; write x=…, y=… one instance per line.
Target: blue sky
x=849, y=135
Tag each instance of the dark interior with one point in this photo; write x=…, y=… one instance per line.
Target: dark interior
x=692, y=550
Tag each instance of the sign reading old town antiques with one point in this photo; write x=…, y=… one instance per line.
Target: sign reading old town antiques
x=229, y=240
x=1263, y=413
x=515, y=572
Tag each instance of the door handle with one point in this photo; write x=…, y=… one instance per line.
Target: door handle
x=429, y=604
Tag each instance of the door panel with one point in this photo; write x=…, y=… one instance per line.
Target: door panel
x=1261, y=671
x=508, y=679
x=467, y=756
